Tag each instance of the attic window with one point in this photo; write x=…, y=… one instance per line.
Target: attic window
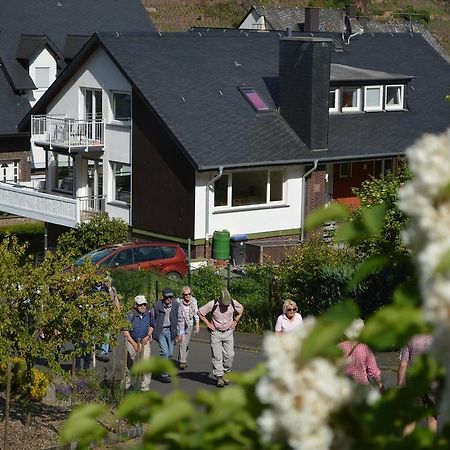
x=255, y=99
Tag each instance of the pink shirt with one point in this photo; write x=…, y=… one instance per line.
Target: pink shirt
x=284, y=324
x=361, y=363
x=222, y=317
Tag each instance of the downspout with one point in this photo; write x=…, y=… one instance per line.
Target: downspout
x=302, y=207
x=208, y=188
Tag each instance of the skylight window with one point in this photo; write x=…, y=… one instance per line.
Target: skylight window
x=255, y=99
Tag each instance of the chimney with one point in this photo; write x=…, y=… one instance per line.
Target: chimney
x=304, y=83
x=351, y=11
x=311, y=19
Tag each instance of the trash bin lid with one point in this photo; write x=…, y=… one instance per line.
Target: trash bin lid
x=239, y=237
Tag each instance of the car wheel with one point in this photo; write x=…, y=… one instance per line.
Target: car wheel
x=173, y=276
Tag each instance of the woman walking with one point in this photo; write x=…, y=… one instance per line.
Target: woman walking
x=290, y=318
x=188, y=311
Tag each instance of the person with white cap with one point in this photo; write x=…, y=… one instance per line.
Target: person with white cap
x=138, y=339
x=225, y=315
x=169, y=326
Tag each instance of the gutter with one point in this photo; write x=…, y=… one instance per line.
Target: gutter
x=302, y=206
x=208, y=189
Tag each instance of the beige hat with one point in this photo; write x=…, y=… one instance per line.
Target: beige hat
x=140, y=300
x=225, y=297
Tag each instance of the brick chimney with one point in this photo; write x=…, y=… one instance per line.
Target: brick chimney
x=304, y=83
x=311, y=19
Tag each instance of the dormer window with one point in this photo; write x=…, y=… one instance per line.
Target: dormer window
x=351, y=99
x=394, y=96
x=373, y=98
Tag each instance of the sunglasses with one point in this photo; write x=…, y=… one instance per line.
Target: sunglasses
x=185, y=294
x=291, y=309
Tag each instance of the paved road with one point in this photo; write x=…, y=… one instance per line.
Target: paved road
x=248, y=354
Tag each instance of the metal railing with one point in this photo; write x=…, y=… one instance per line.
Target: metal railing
x=92, y=204
x=66, y=132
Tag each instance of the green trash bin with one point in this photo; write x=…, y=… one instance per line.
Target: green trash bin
x=221, y=244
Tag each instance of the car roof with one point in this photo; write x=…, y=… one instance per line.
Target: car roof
x=140, y=244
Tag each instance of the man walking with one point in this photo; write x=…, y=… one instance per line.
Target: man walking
x=138, y=339
x=225, y=315
x=168, y=326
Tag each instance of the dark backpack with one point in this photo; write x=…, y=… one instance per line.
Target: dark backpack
x=216, y=304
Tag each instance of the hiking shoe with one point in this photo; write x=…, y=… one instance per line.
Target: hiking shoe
x=220, y=382
x=226, y=381
x=182, y=366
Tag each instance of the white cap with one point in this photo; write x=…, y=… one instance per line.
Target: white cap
x=140, y=300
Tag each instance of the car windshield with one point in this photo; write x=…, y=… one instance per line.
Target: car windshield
x=95, y=256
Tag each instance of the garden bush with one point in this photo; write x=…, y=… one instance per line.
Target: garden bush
x=206, y=284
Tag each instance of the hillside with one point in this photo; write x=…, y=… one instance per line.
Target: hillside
x=180, y=15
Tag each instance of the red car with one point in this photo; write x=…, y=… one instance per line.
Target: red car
x=166, y=258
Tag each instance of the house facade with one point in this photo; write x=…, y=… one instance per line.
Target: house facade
x=182, y=135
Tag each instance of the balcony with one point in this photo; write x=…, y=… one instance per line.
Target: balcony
x=70, y=134
x=24, y=200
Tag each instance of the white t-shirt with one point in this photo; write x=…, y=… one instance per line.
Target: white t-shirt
x=284, y=324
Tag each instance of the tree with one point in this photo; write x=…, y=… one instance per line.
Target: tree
x=87, y=236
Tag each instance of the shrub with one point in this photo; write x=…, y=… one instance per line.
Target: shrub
x=87, y=236
x=416, y=15
x=39, y=381
x=206, y=284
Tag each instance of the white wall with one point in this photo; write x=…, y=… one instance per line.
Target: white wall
x=251, y=219
x=99, y=72
x=252, y=20
x=44, y=59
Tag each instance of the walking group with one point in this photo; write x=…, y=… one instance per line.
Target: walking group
x=175, y=320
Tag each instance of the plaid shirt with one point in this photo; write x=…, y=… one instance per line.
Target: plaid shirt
x=360, y=362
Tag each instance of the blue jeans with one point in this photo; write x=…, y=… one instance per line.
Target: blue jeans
x=166, y=344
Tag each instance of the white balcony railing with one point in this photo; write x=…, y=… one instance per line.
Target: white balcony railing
x=28, y=202
x=72, y=134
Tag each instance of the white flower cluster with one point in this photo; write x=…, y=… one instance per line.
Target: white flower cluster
x=300, y=396
x=426, y=200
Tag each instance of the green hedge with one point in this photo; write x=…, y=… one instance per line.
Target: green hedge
x=32, y=233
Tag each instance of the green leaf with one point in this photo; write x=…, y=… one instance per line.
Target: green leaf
x=373, y=218
x=367, y=268
x=350, y=232
x=154, y=365
x=328, y=331
x=392, y=326
x=138, y=401
x=176, y=409
x=82, y=425
x=334, y=211
x=407, y=294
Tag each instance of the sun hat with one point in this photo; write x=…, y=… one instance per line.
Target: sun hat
x=140, y=300
x=225, y=297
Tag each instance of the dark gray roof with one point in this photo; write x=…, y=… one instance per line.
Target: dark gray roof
x=55, y=19
x=191, y=81
x=282, y=17
x=340, y=73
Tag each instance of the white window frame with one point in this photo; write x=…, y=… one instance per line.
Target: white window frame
x=336, y=99
x=400, y=106
x=267, y=203
x=348, y=173
x=112, y=98
x=379, y=107
x=114, y=200
x=358, y=99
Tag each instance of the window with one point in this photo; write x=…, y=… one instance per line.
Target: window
x=383, y=166
x=394, y=97
x=63, y=173
x=168, y=252
x=142, y=254
x=42, y=77
x=373, y=98
x=121, y=181
x=123, y=258
x=351, y=98
x=255, y=99
x=257, y=187
x=121, y=106
x=345, y=170
x=333, y=100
